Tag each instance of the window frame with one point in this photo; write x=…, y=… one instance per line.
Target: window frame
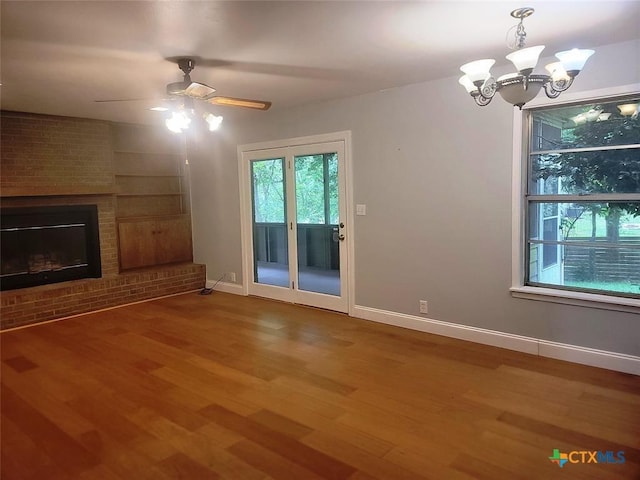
x=519, y=205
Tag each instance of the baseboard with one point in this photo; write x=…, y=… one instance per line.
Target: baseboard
x=225, y=287
x=590, y=356
x=587, y=356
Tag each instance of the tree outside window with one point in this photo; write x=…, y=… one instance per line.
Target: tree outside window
x=592, y=153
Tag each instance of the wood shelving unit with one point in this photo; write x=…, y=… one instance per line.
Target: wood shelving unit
x=152, y=204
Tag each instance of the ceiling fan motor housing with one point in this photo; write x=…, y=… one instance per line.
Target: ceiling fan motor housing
x=186, y=65
x=178, y=88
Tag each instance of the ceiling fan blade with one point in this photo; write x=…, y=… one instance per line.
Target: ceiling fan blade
x=239, y=102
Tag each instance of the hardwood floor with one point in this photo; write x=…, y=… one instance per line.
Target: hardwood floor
x=223, y=386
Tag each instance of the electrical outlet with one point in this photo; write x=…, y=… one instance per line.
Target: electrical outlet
x=423, y=306
x=232, y=277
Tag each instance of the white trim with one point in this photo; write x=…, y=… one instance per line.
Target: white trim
x=447, y=329
x=245, y=203
x=518, y=289
x=590, y=356
x=581, y=299
x=350, y=204
x=296, y=141
x=585, y=96
x=517, y=208
x=587, y=356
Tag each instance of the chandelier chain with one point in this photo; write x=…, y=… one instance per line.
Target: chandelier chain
x=521, y=35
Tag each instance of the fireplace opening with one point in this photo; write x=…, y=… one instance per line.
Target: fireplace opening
x=42, y=245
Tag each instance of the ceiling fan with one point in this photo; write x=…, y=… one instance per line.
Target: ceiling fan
x=199, y=91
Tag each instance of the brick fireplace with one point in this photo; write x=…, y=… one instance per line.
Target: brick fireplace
x=50, y=162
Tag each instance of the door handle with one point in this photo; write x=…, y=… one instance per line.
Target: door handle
x=337, y=236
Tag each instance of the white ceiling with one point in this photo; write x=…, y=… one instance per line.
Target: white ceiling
x=57, y=57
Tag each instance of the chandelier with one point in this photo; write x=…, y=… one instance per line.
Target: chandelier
x=521, y=87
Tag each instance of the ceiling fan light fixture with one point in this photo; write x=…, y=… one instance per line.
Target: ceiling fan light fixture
x=178, y=122
x=213, y=121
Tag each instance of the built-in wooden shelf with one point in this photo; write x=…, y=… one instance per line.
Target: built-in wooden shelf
x=148, y=175
x=140, y=218
x=58, y=191
x=152, y=201
x=153, y=194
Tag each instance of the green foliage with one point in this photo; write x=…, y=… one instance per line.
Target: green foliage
x=609, y=171
x=582, y=226
x=593, y=172
x=311, y=173
x=310, y=189
x=268, y=191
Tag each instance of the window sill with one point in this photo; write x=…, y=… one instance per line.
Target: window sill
x=581, y=299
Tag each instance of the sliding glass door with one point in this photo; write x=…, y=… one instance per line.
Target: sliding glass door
x=298, y=224
x=269, y=212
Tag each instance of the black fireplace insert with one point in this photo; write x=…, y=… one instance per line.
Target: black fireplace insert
x=41, y=245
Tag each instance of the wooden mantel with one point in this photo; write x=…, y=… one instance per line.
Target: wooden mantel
x=58, y=191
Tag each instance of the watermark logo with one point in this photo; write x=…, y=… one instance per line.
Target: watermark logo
x=586, y=456
x=559, y=458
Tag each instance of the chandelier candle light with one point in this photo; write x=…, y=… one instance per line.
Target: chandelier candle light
x=521, y=87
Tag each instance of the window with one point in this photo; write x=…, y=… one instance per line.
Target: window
x=268, y=190
x=317, y=189
x=582, y=198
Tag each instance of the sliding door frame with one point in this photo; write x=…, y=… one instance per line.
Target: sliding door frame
x=244, y=155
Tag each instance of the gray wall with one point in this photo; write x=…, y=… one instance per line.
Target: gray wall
x=435, y=172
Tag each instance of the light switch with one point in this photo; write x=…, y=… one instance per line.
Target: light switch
x=361, y=209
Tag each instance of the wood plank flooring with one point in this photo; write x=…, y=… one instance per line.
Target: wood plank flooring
x=223, y=386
